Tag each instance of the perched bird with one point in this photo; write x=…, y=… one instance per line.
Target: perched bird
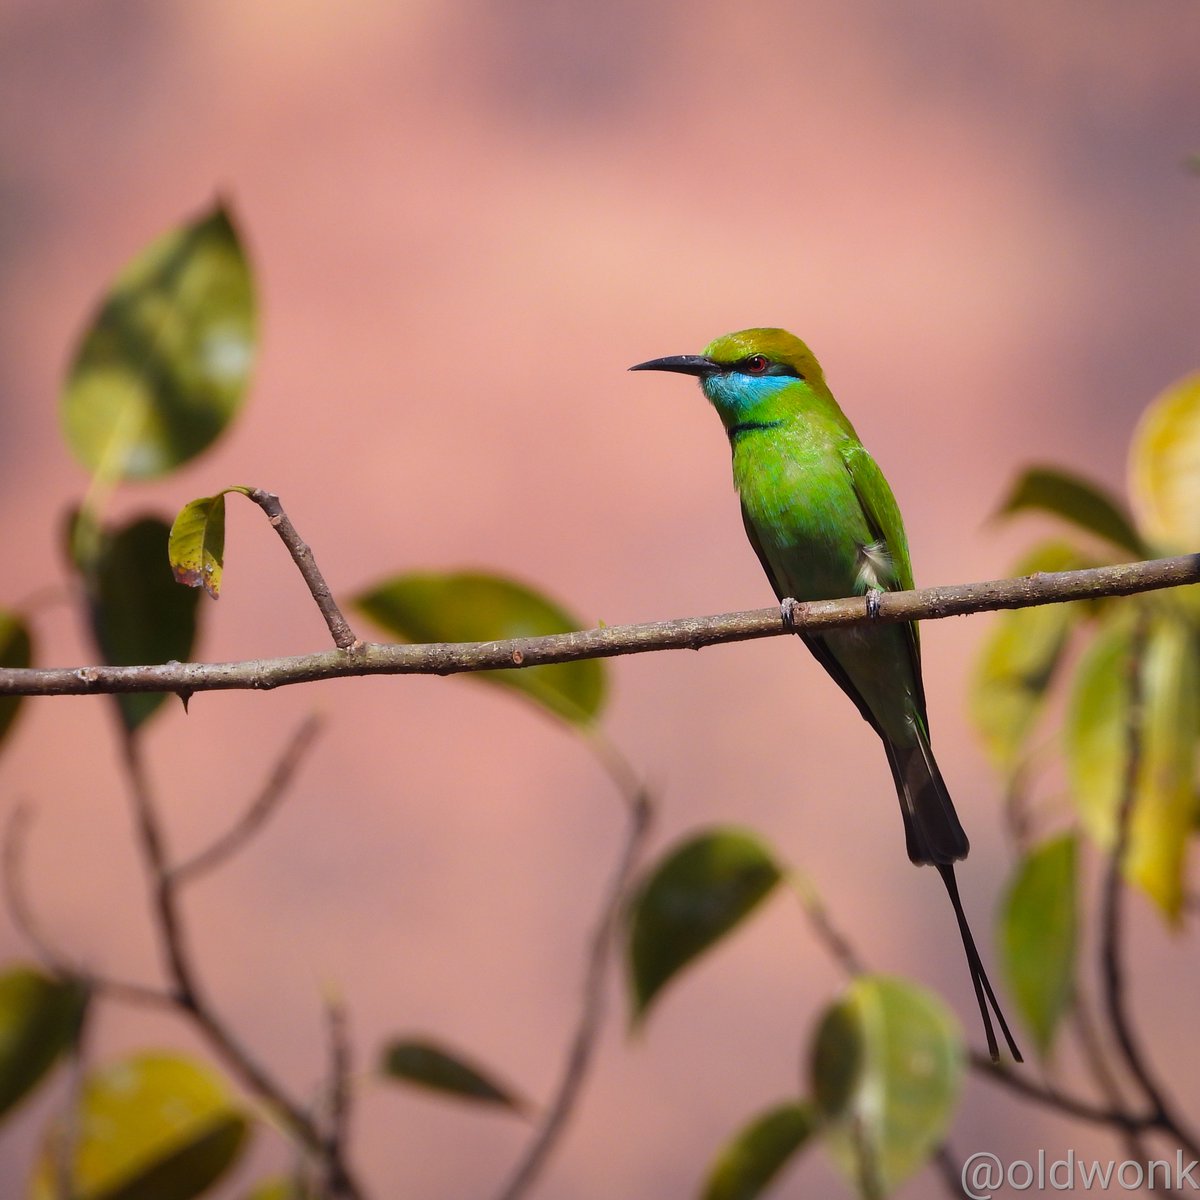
x=824, y=524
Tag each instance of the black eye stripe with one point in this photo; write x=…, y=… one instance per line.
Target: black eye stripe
x=743, y=367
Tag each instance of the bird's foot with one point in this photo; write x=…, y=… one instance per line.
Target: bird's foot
x=873, y=597
x=788, y=607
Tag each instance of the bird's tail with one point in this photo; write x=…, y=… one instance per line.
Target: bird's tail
x=931, y=826
x=983, y=988
x=935, y=835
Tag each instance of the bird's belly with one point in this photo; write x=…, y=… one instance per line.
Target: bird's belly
x=809, y=525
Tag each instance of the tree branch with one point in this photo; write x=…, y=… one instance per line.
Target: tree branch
x=688, y=633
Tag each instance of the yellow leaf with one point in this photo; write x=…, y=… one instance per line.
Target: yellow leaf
x=1164, y=467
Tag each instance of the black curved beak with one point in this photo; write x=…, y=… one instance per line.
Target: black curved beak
x=685, y=364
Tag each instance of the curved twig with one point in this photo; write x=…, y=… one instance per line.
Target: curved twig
x=259, y=810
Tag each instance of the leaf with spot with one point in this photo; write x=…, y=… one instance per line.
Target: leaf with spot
x=163, y=367
x=1081, y=502
x=886, y=1068
x=1039, y=930
x=430, y=1065
x=16, y=650
x=469, y=606
x=196, y=545
x=151, y=1127
x=756, y=1155
x=40, y=1017
x=704, y=888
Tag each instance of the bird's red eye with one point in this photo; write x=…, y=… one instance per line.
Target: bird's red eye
x=757, y=364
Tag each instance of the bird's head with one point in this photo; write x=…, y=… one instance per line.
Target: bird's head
x=748, y=373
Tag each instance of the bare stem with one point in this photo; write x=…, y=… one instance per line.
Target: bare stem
x=690, y=633
x=1111, y=966
x=302, y=555
x=263, y=805
x=187, y=992
x=587, y=1032
x=338, y=1095
x=836, y=944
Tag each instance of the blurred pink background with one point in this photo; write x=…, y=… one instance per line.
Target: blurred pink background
x=467, y=220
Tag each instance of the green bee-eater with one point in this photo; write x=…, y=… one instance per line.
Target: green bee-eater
x=824, y=524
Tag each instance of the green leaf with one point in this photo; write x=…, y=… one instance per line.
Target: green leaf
x=1039, y=923
x=138, y=614
x=1078, y=500
x=887, y=1065
x=696, y=894
x=151, y=1127
x=429, y=1065
x=39, y=1019
x=1097, y=745
x=472, y=607
x=1164, y=457
x=196, y=545
x=164, y=365
x=1019, y=661
x=16, y=650
x=757, y=1153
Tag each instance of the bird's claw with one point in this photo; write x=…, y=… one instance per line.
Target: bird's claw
x=873, y=597
x=788, y=607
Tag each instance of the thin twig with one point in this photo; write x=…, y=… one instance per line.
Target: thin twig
x=950, y=1169
x=583, y=1042
x=188, y=994
x=1071, y=1106
x=1111, y=965
x=17, y=901
x=20, y=909
x=259, y=810
x=343, y=636
x=338, y=1097
x=843, y=953
x=835, y=942
x=689, y=633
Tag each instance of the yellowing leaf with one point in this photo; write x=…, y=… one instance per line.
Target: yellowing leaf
x=1038, y=930
x=152, y=1127
x=1097, y=743
x=699, y=892
x=1164, y=467
x=469, y=606
x=196, y=546
x=886, y=1064
x=755, y=1156
x=165, y=363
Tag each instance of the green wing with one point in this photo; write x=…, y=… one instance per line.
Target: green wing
x=881, y=510
x=883, y=518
